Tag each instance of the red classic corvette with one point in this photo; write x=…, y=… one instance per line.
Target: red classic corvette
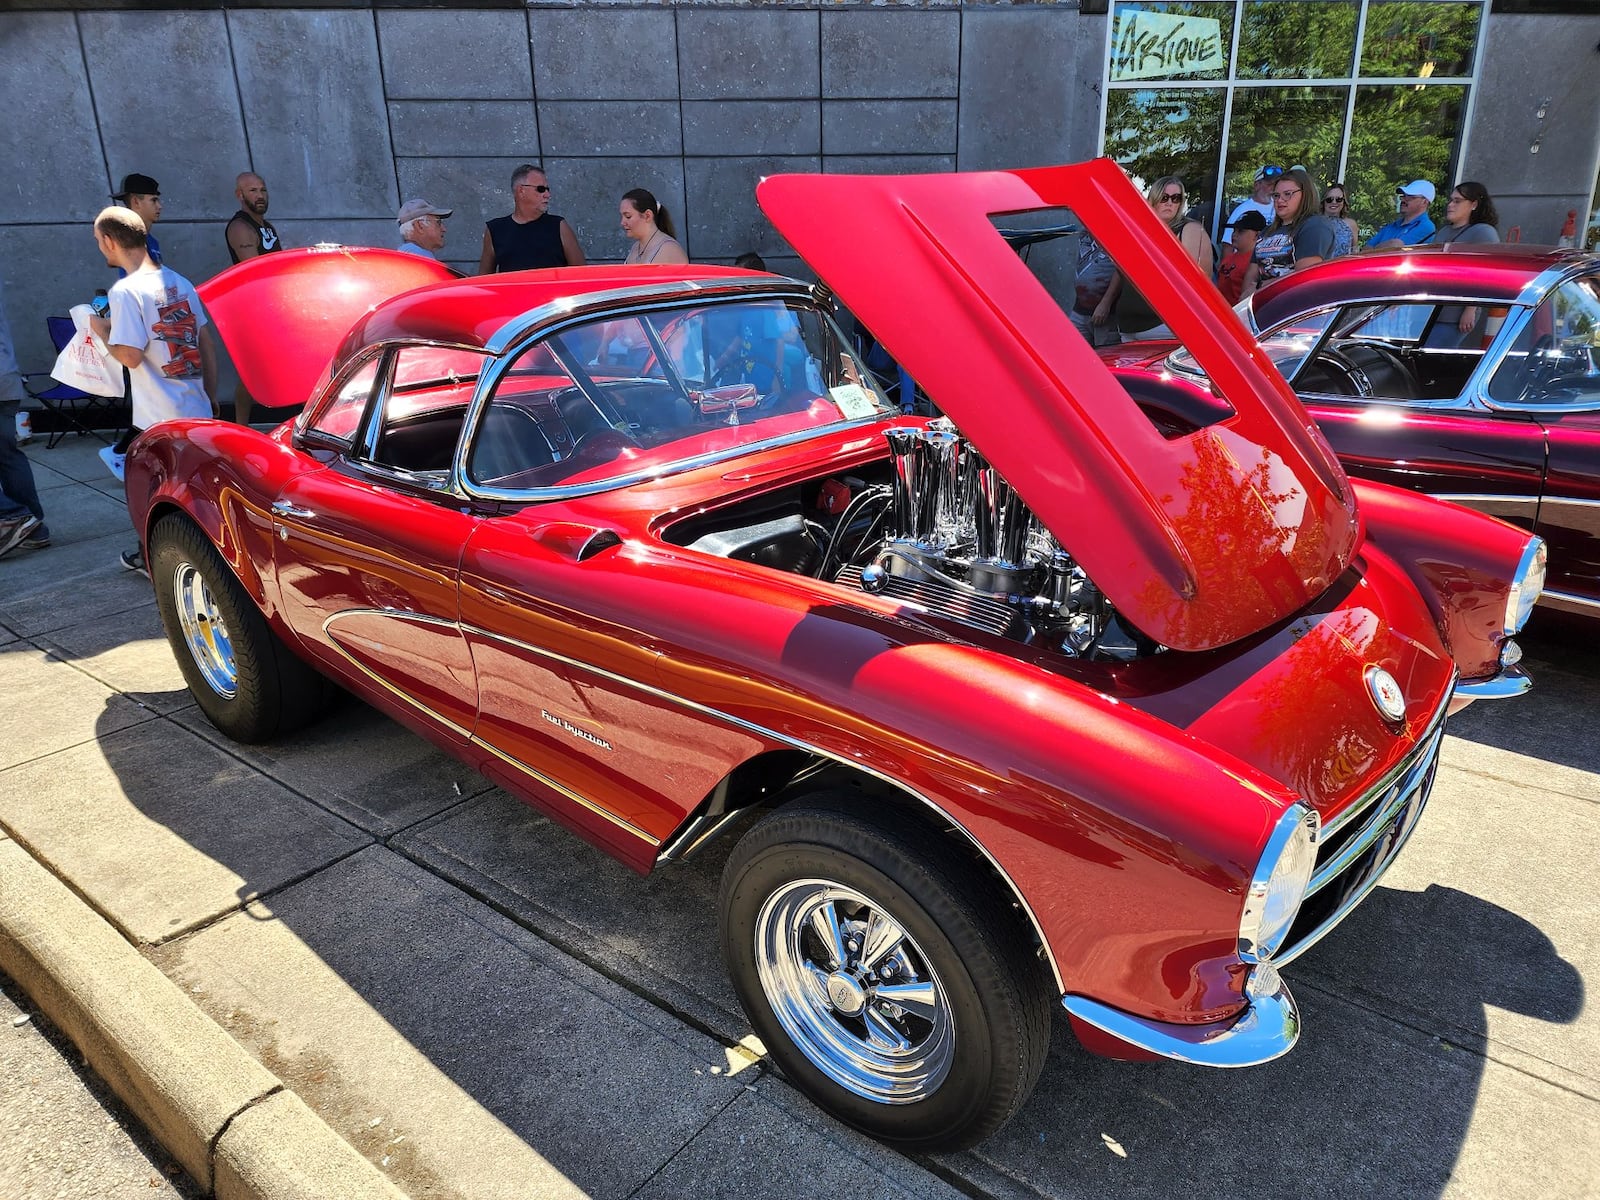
x=1467, y=372
x=1113, y=695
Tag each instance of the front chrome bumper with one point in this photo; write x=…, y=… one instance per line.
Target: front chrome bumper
x=1510, y=681
x=1265, y=1030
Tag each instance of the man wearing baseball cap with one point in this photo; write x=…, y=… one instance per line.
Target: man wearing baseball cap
x=1412, y=225
x=422, y=228
x=1259, y=201
x=143, y=194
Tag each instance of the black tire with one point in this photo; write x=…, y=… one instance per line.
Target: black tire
x=272, y=692
x=959, y=1076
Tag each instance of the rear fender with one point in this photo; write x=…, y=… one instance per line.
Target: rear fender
x=1462, y=562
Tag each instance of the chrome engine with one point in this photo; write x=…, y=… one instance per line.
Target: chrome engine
x=959, y=541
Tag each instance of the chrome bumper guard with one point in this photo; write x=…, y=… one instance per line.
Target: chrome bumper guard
x=1512, y=681
x=1353, y=852
x=1267, y=1029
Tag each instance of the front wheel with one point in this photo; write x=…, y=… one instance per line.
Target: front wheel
x=245, y=680
x=883, y=978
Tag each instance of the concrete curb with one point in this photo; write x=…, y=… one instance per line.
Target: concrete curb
x=228, y=1121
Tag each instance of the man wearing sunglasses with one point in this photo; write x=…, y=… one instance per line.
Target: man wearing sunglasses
x=1260, y=201
x=531, y=236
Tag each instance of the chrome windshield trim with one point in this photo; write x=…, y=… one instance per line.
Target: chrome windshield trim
x=562, y=314
x=1267, y=1029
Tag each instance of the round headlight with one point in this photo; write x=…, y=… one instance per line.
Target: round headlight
x=1526, y=586
x=1279, y=883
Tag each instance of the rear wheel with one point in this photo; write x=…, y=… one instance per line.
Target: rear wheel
x=885, y=980
x=245, y=680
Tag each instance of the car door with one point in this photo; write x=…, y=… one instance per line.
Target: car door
x=1551, y=373
x=367, y=550
x=1388, y=389
x=555, y=606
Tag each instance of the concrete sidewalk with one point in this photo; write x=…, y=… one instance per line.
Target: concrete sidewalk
x=244, y=945
x=344, y=965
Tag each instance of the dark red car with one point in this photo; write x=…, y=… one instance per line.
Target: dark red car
x=1111, y=699
x=1470, y=373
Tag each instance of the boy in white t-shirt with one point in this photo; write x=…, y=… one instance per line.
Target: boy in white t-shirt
x=157, y=330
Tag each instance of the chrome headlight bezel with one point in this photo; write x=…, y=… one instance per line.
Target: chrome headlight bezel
x=1526, y=586
x=1272, y=899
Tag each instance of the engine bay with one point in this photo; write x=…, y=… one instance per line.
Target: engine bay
x=934, y=526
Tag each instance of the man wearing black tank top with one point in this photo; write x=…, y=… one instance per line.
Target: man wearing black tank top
x=532, y=235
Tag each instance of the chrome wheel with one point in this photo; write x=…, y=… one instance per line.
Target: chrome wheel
x=204, y=631
x=854, y=992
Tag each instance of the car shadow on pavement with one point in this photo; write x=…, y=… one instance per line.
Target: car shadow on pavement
x=452, y=935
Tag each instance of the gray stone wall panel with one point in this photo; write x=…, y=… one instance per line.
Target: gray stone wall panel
x=721, y=193
x=888, y=127
x=610, y=128
x=49, y=123
x=748, y=55
x=888, y=164
x=1014, y=90
x=318, y=135
x=621, y=54
x=890, y=54
x=453, y=55
x=1527, y=60
x=453, y=128
x=164, y=89
x=587, y=191
x=47, y=269
x=713, y=127
x=475, y=188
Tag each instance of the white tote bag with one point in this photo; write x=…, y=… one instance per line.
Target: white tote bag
x=85, y=363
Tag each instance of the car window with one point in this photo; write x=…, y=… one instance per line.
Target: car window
x=339, y=416
x=611, y=398
x=1555, y=359
x=420, y=411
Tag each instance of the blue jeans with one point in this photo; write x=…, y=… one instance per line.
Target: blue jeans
x=18, y=493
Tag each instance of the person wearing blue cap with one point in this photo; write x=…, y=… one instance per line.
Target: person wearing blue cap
x=1260, y=201
x=1413, y=225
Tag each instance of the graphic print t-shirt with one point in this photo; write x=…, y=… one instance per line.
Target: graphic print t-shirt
x=158, y=312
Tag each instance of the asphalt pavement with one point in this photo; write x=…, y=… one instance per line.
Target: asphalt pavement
x=344, y=965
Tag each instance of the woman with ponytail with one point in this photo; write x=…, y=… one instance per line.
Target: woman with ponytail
x=648, y=225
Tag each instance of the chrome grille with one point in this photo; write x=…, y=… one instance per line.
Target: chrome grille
x=1354, y=851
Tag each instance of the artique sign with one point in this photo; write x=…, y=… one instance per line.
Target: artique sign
x=1151, y=44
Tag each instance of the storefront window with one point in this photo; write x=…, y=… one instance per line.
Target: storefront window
x=1314, y=39
x=1420, y=38
x=1398, y=134
x=1370, y=92
x=1169, y=131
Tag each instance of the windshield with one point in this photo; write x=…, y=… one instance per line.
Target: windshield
x=613, y=399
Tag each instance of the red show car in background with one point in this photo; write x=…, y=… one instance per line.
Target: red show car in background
x=1102, y=695
x=1467, y=372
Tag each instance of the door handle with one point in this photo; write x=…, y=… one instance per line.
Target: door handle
x=282, y=508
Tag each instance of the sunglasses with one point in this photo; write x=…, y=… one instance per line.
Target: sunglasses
x=541, y=188
x=1271, y=172
x=1333, y=199
x=1171, y=198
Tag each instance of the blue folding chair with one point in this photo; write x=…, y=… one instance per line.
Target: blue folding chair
x=69, y=407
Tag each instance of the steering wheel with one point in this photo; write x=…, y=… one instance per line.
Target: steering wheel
x=1341, y=369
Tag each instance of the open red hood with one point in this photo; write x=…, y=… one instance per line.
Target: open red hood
x=283, y=315
x=1199, y=539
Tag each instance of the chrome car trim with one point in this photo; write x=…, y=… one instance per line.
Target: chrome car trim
x=1512, y=681
x=1267, y=1029
x=1296, y=817
x=459, y=730
x=1569, y=598
x=1575, y=501
x=796, y=743
x=1386, y=780
x=1487, y=498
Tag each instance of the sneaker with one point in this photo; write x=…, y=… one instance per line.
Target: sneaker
x=114, y=462
x=38, y=539
x=14, y=530
x=133, y=560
